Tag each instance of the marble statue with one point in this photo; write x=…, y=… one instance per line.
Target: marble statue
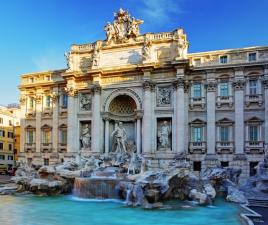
x=69, y=60
x=146, y=50
x=163, y=135
x=85, y=102
x=95, y=58
x=119, y=136
x=123, y=27
x=85, y=137
x=164, y=96
x=183, y=45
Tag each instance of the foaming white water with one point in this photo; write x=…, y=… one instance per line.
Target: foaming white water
x=73, y=198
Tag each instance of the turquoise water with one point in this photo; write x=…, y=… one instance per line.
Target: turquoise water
x=66, y=210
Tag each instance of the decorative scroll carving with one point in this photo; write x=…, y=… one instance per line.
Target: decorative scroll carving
x=38, y=98
x=123, y=27
x=54, y=96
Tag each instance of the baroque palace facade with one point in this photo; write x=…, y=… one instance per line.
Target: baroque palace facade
x=146, y=93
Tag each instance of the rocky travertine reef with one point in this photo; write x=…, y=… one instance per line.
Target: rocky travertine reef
x=127, y=177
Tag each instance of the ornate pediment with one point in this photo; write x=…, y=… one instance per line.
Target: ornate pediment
x=123, y=28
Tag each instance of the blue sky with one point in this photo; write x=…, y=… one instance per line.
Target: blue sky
x=35, y=33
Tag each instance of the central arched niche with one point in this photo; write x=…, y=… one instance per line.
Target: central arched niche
x=123, y=109
x=123, y=105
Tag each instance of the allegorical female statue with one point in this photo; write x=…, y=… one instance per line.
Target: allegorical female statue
x=163, y=135
x=85, y=137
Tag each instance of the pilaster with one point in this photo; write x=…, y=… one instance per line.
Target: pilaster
x=38, y=134
x=239, y=85
x=55, y=130
x=265, y=85
x=211, y=116
x=96, y=120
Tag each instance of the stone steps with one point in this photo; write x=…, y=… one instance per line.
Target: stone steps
x=258, y=202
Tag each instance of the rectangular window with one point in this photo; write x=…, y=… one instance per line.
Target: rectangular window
x=224, y=89
x=46, y=136
x=10, y=122
x=10, y=157
x=224, y=164
x=2, y=133
x=31, y=103
x=2, y=157
x=253, y=86
x=197, y=134
x=10, y=147
x=64, y=101
x=1, y=120
x=10, y=134
x=197, y=90
x=30, y=137
x=48, y=101
x=197, y=166
x=63, y=137
x=252, y=57
x=224, y=134
x=1, y=146
x=253, y=133
x=223, y=59
x=46, y=162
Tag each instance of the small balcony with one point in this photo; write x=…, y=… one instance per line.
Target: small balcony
x=254, y=99
x=63, y=110
x=225, y=147
x=29, y=147
x=30, y=113
x=46, y=148
x=47, y=112
x=197, y=147
x=225, y=101
x=62, y=148
x=197, y=102
x=254, y=147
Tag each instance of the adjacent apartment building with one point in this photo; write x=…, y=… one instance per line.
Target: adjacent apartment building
x=9, y=135
x=211, y=106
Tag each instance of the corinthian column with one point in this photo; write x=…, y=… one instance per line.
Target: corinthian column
x=211, y=117
x=96, y=120
x=180, y=115
x=55, y=130
x=147, y=118
x=239, y=116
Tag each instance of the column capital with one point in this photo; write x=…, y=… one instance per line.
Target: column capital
x=38, y=98
x=22, y=100
x=265, y=83
x=179, y=83
x=239, y=85
x=72, y=92
x=96, y=89
x=148, y=85
x=211, y=86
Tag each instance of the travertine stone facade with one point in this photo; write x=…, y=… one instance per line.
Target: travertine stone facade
x=210, y=105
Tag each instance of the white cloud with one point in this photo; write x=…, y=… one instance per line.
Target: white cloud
x=160, y=11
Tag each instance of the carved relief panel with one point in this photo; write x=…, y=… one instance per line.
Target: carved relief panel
x=85, y=101
x=164, y=96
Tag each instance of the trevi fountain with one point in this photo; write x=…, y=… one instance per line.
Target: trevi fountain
x=120, y=186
